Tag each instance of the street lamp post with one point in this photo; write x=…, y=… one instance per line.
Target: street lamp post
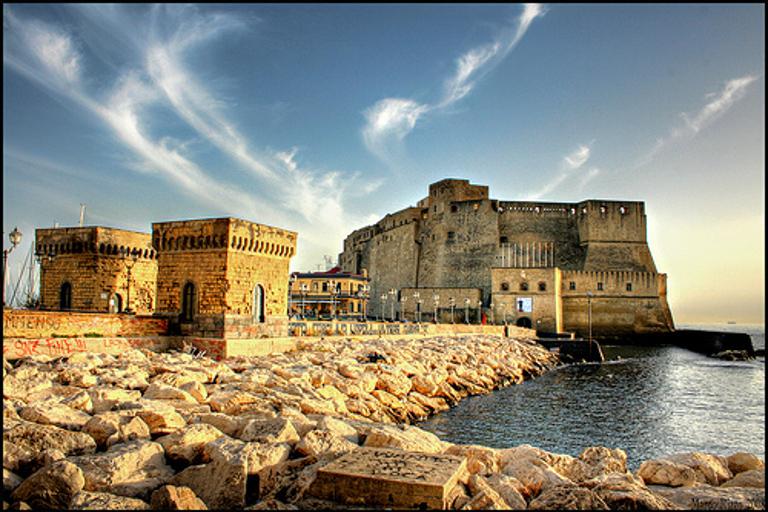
x=304, y=287
x=479, y=312
x=589, y=312
x=452, y=302
x=130, y=257
x=392, y=294
x=466, y=311
x=491, y=306
x=436, y=301
x=383, y=303
x=402, y=307
x=15, y=238
x=332, y=288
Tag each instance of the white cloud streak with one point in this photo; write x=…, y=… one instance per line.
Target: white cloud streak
x=718, y=105
x=568, y=169
x=163, y=80
x=390, y=120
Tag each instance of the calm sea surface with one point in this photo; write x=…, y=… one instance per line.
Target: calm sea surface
x=651, y=402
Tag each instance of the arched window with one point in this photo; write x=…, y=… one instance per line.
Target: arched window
x=258, y=304
x=188, y=302
x=504, y=287
x=524, y=287
x=65, y=296
x=542, y=287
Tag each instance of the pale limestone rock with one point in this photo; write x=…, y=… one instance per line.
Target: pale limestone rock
x=367, y=381
x=509, y=489
x=45, y=458
x=228, y=401
x=196, y=390
x=594, y=461
x=351, y=370
x=395, y=382
x=710, y=469
x=16, y=458
x=324, y=444
x=567, y=497
x=257, y=455
x=752, y=478
x=406, y=437
x=425, y=383
x=159, y=391
x=132, y=469
x=35, y=438
x=300, y=421
x=220, y=484
x=10, y=481
x=105, y=398
x=480, y=460
x=78, y=377
x=742, y=461
x=53, y=486
x=169, y=497
x=112, y=427
x=623, y=491
x=357, y=406
x=63, y=395
x=312, y=406
x=329, y=392
x=707, y=497
x=224, y=422
x=86, y=500
x=666, y=472
x=535, y=475
x=484, y=497
x=15, y=387
x=339, y=428
x=161, y=420
x=55, y=414
x=187, y=443
x=433, y=404
x=277, y=430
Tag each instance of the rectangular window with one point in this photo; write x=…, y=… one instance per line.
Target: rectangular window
x=600, y=286
x=629, y=287
x=451, y=235
x=572, y=286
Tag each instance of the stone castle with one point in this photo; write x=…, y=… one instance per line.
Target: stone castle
x=578, y=267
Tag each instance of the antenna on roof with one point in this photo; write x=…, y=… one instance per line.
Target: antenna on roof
x=82, y=212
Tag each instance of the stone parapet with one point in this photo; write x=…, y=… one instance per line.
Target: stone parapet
x=47, y=324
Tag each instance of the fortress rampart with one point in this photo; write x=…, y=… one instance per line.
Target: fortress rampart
x=457, y=238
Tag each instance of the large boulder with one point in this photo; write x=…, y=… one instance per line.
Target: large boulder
x=406, y=437
x=53, y=486
x=86, y=500
x=709, y=469
x=132, y=469
x=707, y=497
x=324, y=444
x=220, y=484
x=595, y=461
x=665, y=472
x=622, y=491
x=567, y=497
x=55, y=414
x=739, y=462
x=484, y=497
x=753, y=478
x=112, y=427
x=106, y=398
x=276, y=430
x=186, y=444
x=35, y=438
x=169, y=497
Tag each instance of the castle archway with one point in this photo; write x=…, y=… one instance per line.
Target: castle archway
x=524, y=322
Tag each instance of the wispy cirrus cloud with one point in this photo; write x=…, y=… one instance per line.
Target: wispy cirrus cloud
x=569, y=166
x=718, y=104
x=154, y=54
x=390, y=120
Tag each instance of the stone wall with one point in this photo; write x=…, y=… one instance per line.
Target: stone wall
x=47, y=324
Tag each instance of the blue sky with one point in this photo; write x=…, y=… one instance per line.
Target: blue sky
x=322, y=119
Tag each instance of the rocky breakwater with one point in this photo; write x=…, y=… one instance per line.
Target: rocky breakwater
x=326, y=426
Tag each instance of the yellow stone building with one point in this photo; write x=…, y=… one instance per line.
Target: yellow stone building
x=223, y=278
x=96, y=269
x=332, y=294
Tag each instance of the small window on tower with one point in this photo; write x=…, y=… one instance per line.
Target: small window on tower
x=629, y=287
x=572, y=286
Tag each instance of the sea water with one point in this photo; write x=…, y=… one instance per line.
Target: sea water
x=647, y=401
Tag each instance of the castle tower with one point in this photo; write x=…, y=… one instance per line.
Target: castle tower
x=87, y=269
x=223, y=278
